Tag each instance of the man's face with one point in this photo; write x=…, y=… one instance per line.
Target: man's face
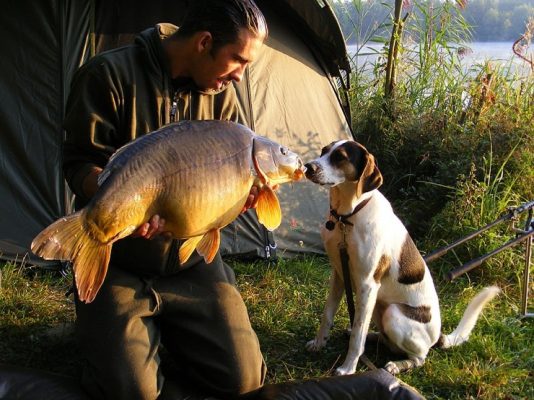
x=216, y=70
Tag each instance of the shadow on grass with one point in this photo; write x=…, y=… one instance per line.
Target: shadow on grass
x=52, y=349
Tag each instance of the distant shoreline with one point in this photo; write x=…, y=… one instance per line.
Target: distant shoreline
x=472, y=53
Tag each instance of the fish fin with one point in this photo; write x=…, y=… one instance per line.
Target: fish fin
x=187, y=248
x=90, y=270
x=209, y=245
x=66, y=239
x=268, y=208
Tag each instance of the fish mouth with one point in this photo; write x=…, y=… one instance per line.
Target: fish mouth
x=298, y=175
x=287, y=174
x=275, y=164
x=300, y=172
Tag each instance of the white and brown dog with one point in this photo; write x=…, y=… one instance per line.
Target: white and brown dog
x=392, y=283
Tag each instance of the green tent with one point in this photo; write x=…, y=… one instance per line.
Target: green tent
x=290, y=94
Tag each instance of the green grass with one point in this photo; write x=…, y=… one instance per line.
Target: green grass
x=33, y=310
x=285, y=302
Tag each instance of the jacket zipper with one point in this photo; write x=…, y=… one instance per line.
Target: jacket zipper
x=174, y=107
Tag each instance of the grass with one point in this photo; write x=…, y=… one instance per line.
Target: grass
x=285, y=303
x=33, y=309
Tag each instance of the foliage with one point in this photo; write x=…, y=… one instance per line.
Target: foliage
x=444, y=120
x=498, y=20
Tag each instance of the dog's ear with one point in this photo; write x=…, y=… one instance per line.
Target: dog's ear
x=370, y=178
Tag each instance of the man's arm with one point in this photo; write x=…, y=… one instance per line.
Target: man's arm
x=91, y=124
x=89, y=184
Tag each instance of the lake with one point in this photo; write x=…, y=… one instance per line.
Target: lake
x=477, y=53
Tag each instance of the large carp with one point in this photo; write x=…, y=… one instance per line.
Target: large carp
x=196, y=175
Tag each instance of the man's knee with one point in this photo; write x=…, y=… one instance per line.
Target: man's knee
x=242, y=379
x=111, y=385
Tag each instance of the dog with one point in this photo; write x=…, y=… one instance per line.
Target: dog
x=392, y=283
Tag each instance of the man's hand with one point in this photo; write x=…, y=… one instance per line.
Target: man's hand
x=252, y=199
x=154, y=227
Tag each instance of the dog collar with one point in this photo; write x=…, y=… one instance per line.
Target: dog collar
x=331, y=224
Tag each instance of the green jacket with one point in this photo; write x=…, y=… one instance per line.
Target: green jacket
x=124, y=93
x=120, y=95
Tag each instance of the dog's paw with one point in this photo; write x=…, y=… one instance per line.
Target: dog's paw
x=392, y=368
x=344, y=370
x=315, y=345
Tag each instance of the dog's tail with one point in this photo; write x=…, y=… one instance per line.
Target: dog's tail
x=469, y=319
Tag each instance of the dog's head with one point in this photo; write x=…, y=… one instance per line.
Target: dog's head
x=345, y=161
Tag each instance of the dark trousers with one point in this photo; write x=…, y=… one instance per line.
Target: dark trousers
x=197, y=314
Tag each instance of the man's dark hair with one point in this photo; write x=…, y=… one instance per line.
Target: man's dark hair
x=223, y=19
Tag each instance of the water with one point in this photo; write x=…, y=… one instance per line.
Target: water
x=477, y=53
x=500, y=51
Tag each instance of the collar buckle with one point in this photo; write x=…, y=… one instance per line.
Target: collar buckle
x=343, y=218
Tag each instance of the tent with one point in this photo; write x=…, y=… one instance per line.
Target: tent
x=290, y=94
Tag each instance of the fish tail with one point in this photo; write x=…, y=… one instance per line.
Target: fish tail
x=66, y=239
x=55, y=241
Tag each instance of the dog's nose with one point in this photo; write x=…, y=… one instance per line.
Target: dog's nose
x=310, y=166
x=311, y=169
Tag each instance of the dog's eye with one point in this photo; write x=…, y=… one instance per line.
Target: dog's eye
x=326, y=149
x=339, y=155
x=283, y=150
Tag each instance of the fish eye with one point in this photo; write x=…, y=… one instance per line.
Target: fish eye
x=283, y=150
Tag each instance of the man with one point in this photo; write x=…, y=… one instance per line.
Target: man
x=147, y=298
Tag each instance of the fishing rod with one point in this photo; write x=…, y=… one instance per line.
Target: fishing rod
x=524, y=234
x=511, y=214
x=455, y=273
